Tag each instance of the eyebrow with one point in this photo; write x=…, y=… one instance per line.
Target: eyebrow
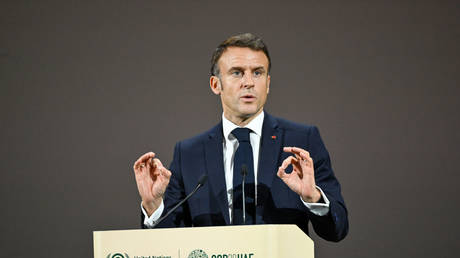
x=239, y=68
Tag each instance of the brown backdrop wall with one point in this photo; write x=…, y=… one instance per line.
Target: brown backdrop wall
x=86, y=87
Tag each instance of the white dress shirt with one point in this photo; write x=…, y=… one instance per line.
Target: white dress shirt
x=230, y=144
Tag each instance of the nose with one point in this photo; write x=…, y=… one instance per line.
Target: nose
x=248, y=80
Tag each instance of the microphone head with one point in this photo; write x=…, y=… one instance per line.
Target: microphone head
x=203, y=179
x=244, y=170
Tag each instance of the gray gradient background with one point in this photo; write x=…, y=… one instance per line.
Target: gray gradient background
x=88, y=87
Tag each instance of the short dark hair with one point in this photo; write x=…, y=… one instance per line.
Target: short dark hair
x=247, y=40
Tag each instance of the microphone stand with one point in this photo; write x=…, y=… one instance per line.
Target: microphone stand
x=202, y=180
x=244, y=172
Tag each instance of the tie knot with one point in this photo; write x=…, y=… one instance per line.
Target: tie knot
x=242, y=134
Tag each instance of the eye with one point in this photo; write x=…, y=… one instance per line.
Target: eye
x=237, y=73
x=258, y=73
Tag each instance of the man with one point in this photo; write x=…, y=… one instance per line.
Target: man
x=248, y=145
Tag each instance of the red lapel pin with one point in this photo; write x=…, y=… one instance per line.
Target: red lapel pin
x=273, y=137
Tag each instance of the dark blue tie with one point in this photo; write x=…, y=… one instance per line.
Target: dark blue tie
x=243, y=156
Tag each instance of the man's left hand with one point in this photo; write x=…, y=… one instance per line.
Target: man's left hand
x=302, y=178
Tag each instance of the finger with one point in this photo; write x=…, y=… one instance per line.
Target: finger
x=297, y=149
x=161, y=170
x=297, y=156
x=138, y=167
x=284, y=176
x=143, y=159
x=287, y=149
x=157, y=165
x=281, y=173
x=310, y=162
x=166, y=173
x=149, y=165
x=293, y=151
x=288, y=161
x=151, y=162
x=305, y=155
x=306, y=160
x=298, y=152
x=158, y=162
x=291, y=160
x=146, y=156
x=282, y=169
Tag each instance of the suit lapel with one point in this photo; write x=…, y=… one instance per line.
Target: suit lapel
x=270, y=147
x=215, y=168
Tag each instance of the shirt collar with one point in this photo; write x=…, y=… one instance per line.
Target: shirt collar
x=255, y=125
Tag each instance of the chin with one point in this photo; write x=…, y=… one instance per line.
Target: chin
x=248, y=113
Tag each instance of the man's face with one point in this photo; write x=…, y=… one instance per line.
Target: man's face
x=243, y=83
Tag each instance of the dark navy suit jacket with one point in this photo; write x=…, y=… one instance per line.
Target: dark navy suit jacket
x=276, y=203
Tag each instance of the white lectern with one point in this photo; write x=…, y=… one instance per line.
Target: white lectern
x=255, y=241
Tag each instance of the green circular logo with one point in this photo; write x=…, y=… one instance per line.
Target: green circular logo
x=198, y=254
x=118, y=255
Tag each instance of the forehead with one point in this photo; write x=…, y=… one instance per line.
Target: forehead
x=242, y=57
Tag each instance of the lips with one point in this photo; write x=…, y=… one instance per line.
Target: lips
x=248, y=97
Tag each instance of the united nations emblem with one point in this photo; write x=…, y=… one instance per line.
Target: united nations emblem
x=198, y=254
x=118, y=255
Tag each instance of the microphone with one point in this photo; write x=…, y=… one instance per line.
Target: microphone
x=244, y=172
x=201, y=182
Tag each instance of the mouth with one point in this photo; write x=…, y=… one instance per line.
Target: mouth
x=248, y=97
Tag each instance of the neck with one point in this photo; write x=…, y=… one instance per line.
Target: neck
x=241, y=121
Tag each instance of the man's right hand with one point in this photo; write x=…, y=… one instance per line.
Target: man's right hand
x=152, y=178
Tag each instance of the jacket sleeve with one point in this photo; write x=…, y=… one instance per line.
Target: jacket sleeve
x=334, y=225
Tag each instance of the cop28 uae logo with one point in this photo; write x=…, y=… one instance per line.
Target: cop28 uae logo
x=118, y=255
x=198, y=254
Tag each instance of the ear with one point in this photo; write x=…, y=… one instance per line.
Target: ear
x=268, y=84
x=215, y=85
